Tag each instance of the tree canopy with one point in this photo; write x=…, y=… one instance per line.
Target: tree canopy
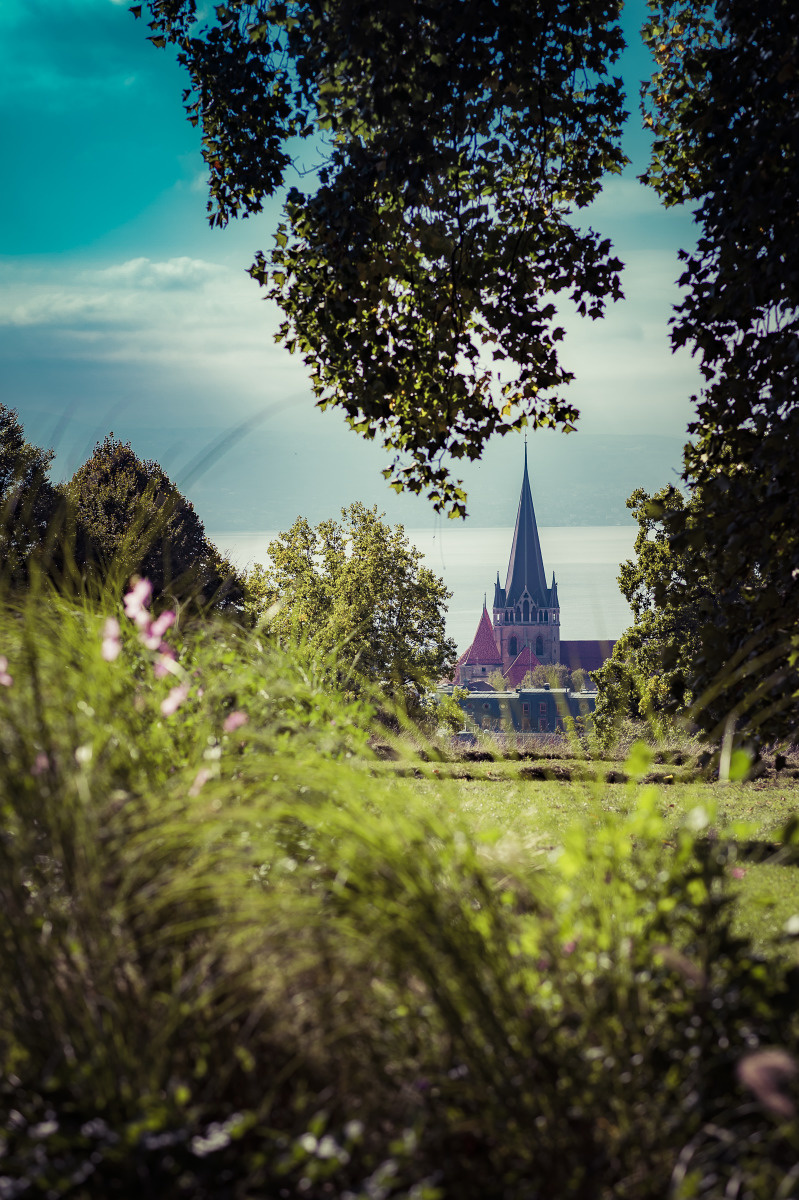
x=357, y=590
x=136, y=521
x=645, y=677
x=723, y=107
x=420, y=262
x=28, y=500
x=418, y=267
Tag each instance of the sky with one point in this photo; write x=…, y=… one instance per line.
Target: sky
x=122, y=310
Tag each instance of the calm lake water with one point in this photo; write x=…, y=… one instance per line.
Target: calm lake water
x=585, y=559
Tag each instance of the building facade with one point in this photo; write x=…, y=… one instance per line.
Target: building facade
x=526, y=611
x=524, y=631
x=528, y=710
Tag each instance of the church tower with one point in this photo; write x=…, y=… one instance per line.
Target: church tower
x=526, y=611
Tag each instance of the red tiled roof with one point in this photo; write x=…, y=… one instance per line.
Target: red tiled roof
x=589, y=655
x=524, y=661
x=483, y=650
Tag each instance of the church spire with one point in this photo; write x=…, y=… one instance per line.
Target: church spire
x=526, y=566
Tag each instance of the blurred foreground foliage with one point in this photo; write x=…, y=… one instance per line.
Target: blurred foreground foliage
x=238, y=961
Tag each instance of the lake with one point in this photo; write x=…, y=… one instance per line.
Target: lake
x=585, y=559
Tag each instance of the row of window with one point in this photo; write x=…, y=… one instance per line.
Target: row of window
x=513, y=647
x=525, y=614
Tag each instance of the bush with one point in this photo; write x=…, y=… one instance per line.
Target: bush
x=130, y=517
x=236, y=961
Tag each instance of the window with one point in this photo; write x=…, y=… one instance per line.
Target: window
x=542, y=709
x=542, y=724
x=513, y=647
x=483, y=670
x=539, y=647
x=525, y=707
x=546, y=618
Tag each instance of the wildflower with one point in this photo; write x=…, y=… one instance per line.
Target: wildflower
x=153, y=631
x=136, y=602
x=166, y=656
x=5, y=679
x=112, y=643
x=737, y=872
x=769, y=1073
x=235, y=721
x=40, y=764
x=174, y=700
x=200, y=779
x=163, y=622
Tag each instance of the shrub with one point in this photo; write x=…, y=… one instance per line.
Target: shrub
x=238, y=961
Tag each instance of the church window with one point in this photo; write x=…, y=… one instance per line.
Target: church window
x=483, y=670
x=513, y=647
x=539, y=647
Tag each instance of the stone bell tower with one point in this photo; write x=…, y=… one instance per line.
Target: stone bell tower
x=526, y=611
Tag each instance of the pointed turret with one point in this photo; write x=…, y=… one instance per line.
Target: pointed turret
x=483, y=650
x=526, y=566
x=553, y=594
x=499, y=594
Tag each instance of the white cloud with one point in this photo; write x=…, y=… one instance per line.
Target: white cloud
x=180, y=272
x=205, y=321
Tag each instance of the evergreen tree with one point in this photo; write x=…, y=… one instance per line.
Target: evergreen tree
x=137, y=522
x=28, y=501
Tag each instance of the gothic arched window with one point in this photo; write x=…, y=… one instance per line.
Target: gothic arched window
x=539, y=647
x=513, y=647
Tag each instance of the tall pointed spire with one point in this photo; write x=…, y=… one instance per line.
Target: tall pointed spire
x=526, y=566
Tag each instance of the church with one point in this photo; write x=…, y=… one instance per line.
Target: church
x=524, y=630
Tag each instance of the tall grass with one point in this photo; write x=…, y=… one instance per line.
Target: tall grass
x=237, y=960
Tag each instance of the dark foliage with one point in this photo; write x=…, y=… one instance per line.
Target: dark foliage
x=456, y=140
x=28, y=501
x=135, y=521
x=723, y=107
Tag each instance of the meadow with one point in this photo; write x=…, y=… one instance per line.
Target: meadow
x=256, y=945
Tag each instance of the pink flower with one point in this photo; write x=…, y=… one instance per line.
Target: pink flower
x=166, y=655
x=174, y=700
x=200, y=779
x=111, y=640
x=5, y=679
x=737, y=872
x=153, y=631
x=165, y=621
x=40, y=765
x=235, y=721
x=136, y=602
x=570, y=947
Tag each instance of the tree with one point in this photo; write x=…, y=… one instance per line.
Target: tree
x=556, y=675
x=136, y=521
x=357, y=590
x=456, y=142
x=723, y=108
x=28, y=500
x=645, y=677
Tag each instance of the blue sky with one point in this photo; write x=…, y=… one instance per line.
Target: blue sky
x=121, y=309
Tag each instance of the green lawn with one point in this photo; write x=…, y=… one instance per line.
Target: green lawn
x=492, y=796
